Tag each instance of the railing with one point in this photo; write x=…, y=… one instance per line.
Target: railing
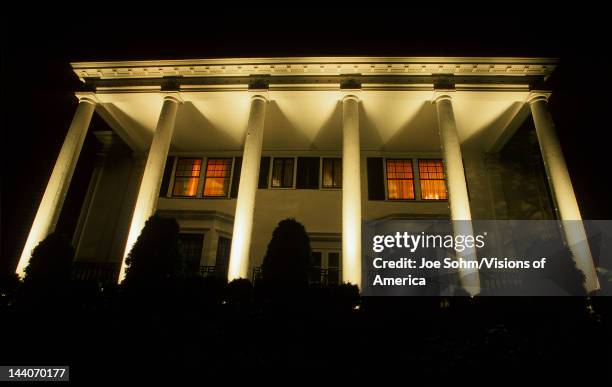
x=256, y=274
x=500, y=279
x=208, y=271
x=102, y=272
x=108, y=272
x=317, y=276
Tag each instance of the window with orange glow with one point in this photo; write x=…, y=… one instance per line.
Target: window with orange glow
x=186, y=177
x=431, y=176
x=218, y=173
x=400, y=180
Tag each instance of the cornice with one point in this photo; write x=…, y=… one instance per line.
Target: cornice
x=317, y=66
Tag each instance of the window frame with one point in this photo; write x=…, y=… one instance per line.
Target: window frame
x=269, y=172
x=325, y=253
x=294, y=172
x=203, y=248
x=386, y=180
x=217, y=264
x=444, y=179
x=322, y=184
x=229, y=178
x=174, y=176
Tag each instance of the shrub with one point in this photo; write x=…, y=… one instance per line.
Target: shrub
x=287, y=260
x=156, y=258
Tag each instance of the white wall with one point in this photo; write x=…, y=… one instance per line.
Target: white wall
x=320, y=211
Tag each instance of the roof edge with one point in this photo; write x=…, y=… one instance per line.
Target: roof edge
x=318, y=60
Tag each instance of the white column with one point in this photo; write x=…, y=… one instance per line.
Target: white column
x=59, y=182
x=351, y=191
x=249, y=176
x=150, y=184
x=458, y=200
x=562, y=190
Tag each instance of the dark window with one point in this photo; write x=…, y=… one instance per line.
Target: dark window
x=315, y=259
x=163, y=191
x=431, y=177
x=307, y=173
x=236, y=177
x=223, y=252
x=187, y=177
x=264, y=172
x=332, y=172
x=282, y=173
x=333, y=268
x=315, y=264
x=400, y=179
x=217, y=177
x=376, y=179
x=191, y=245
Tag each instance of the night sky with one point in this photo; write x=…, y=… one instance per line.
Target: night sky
x=38, y=83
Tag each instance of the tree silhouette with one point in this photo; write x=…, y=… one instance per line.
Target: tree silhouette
x=51, y=262
x=240, y=293
x=287, y=259
x=49, y=272
x=156, y=258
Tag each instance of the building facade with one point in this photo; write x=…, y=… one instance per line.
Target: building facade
x=229, y=147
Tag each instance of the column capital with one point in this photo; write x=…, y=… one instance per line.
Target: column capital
x=87, y=96
x=538, y=95
x=261, y=94
x=442, y=94
x=172, y=96
x=350, y=94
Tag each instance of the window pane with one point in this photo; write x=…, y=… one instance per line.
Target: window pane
x=433, y=185
x=222, y=258
x=307, y=173
x=433, y=190
x=282, y=173
x=338, y=173
x=332, y=173
x=333, y=260
x=185, y=186
x=333, y=268
x=288, y=173
x=217, y=177
x=186, y=177
x=188, y=167
x=401, y=189
x=400, y=180
x=264, y=172
x=315, y=269
x=328, y=176
x=277, y=172
x=315, y=259
x=192, y=245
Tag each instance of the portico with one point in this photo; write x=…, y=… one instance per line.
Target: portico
x=233, y=113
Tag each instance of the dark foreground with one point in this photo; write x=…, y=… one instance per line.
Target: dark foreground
x=110, y=336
